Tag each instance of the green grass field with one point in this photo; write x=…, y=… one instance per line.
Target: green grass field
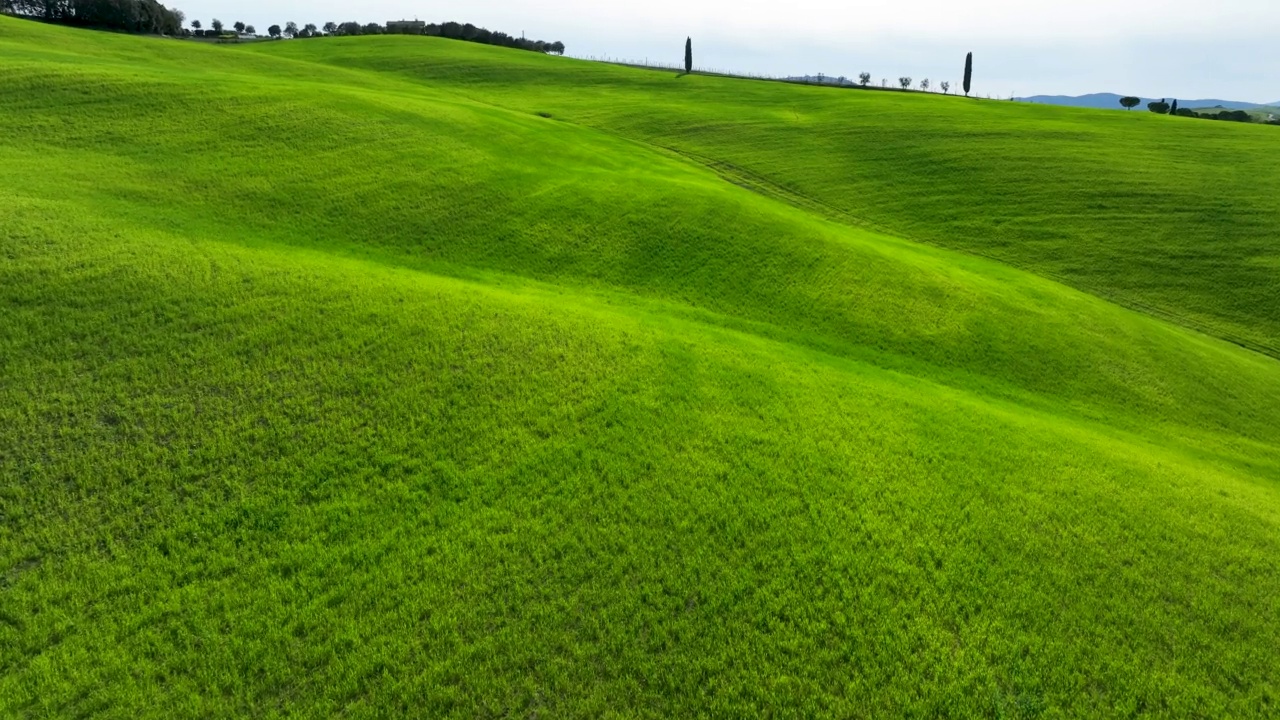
x=400, y=376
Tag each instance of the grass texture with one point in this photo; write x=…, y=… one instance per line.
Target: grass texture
x=336, y=379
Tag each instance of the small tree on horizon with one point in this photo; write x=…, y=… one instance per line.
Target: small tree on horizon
x=1130, y=102
x=905, y=82
x=330, y=27
x=251, y=29
x=968, y=74
x=1173, y=110
x=291, y=28
x=195, y=24
x=946, y=87
x=924, y=84
x=864, y=78
x=239, y=26
x=274, y=31
x=1159, y=108
x=217, y=26
x=688, y=55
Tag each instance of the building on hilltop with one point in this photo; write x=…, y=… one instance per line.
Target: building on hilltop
x=406, y=27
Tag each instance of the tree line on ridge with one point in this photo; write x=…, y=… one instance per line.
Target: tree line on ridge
x=149, y=16
x=1164, y=107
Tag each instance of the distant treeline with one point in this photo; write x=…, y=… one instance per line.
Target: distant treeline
x=1163, y=107
x=140, y=16
x=451, y=30
x=1228, y=115
x=149, y=16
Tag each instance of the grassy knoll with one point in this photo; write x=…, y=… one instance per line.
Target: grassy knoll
x=329, y=385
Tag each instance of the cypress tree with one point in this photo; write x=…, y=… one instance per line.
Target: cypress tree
x=1174, y=110
x=688, y=55
x=968, y=74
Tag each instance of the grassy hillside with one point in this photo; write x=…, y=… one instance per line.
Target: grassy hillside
x=336, y=380
x=1153, y=212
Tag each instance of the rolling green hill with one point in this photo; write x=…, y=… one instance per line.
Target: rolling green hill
x=381, y=376
x=1155, y=213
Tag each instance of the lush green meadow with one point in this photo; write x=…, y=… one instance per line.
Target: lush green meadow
x=337, y=380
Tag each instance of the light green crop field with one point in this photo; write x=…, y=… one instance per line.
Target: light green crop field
x=336, y=380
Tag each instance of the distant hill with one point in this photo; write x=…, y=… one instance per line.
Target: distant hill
x=821, y=80
x=1112, y=101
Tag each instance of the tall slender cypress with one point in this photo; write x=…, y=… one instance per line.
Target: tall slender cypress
x=968, y=74
x=688, y=55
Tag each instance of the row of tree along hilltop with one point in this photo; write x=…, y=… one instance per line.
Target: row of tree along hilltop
x=451, y=30
x=149, y=16
x=1164, y=107
x=864, y=79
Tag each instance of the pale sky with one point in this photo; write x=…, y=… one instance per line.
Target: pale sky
x=1153, y=48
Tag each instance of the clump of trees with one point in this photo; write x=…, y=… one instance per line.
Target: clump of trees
x=1226, y=115
x=471, y=33
x=1164, y=107
x=450, y=30
x=140, y=16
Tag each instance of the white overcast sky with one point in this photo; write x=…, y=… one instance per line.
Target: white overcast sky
x=1154, y=48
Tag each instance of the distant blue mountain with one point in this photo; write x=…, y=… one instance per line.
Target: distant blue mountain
x=1111, y=101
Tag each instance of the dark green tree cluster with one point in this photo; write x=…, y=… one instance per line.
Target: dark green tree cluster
x=1225, y=115
x=471, y=33
x=451, y=30
x=1164, y=107
x=141, y=16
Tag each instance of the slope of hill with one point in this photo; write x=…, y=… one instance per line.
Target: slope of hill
x=1100, y=202
x=339, y=379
